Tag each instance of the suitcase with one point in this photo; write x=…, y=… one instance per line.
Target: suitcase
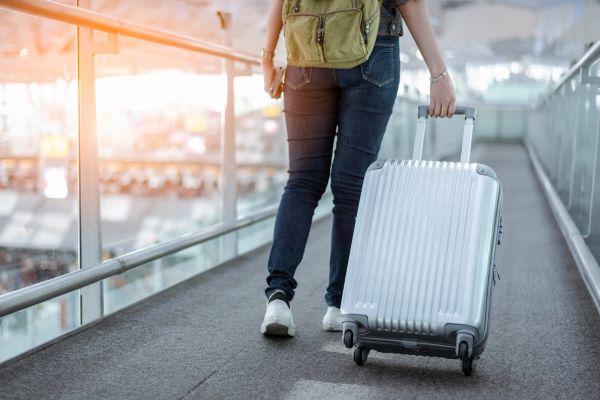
x=421, y=267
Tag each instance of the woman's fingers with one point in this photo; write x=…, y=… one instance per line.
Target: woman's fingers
x=452, y=108
x=437, y=108
x=268, y=74
x=444, y=112
x=446, y=107
x=268, y=82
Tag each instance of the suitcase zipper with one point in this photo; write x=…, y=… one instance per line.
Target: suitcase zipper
x=495, y=273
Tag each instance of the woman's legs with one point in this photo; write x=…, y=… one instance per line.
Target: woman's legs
x=366, y=101
x=359, y=101
x=311, y=114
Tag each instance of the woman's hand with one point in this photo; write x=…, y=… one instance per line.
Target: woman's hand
x=442, y=98
x=416, y=16
x=268, y=74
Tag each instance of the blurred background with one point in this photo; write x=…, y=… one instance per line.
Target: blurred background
x=160, y=115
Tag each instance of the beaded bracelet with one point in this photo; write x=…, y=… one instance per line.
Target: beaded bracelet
x=267, y=55
x=440, y=77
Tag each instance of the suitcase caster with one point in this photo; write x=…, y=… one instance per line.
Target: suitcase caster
x=467, y=363
x=349, y=339
x=360, y=355
x=350, y=333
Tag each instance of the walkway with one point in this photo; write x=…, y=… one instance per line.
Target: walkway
x=201, y=340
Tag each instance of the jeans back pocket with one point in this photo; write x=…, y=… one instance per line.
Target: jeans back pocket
x=379, y=68
x=297, y=77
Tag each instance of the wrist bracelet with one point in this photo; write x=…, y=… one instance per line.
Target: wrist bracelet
x=267, y=55
x=440, y=77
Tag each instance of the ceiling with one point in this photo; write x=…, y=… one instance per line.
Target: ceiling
x=555, y=32
x=478, y=31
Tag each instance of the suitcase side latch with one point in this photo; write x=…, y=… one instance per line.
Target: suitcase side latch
x=500, y=227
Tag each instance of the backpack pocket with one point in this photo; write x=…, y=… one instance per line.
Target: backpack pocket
x=302, y=39
x=343, y=39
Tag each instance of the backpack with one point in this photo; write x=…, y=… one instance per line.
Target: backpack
x=330, y=33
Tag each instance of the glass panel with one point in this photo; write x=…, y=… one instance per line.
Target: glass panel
x=255, y=235
x=584, y=163
x=538, y=132
x=38, y=152
x=399, y=136
x=557, y=118
x=593, y=240
x=567, y=129
x=261, y=142
x=160, y=116
x=28, y=328
x=125, y=289
x=487, y=123
x=544, y=134
x=565, y=134
x=512, y=124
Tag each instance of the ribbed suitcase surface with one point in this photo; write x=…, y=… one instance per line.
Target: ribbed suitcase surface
x=421, y=255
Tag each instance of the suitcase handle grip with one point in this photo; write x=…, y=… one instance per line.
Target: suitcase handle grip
x=468, y=112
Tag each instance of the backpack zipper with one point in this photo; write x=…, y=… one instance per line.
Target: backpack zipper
x=368, y=25
x=297, y=7
x=321, y=30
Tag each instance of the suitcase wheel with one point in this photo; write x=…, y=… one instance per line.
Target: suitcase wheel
x=348, y=339
x=467, y=363
x=360, y=355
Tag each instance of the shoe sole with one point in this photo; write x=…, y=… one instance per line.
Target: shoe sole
x=275, y=329
x=332, y=328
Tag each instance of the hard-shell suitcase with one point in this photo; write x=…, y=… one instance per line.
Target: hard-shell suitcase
x=421, y=266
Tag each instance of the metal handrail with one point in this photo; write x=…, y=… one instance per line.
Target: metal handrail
x=592, y=55
x=22, y=298
x=94, y=20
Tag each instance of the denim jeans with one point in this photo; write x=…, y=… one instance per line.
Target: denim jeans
x=322, y=103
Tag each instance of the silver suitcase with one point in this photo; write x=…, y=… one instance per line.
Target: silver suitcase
x=421, y=266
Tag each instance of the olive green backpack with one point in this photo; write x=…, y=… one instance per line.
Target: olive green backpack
x=329, y=33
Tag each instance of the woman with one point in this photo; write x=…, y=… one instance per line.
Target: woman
x=355, y=104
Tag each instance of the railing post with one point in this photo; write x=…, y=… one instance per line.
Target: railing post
x=228, y=149
x=90, y=244
x=90, y=235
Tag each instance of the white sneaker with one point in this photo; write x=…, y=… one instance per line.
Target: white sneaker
x=332, y=321
x=278, y=319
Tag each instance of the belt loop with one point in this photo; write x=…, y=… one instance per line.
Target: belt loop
x=396, y=27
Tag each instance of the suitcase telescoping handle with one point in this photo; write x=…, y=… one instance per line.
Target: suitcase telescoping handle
x=469, y=113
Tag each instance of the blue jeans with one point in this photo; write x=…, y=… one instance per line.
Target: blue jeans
x=358, y=102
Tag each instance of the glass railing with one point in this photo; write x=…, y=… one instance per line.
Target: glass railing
x=178, y=143
x=563, y=133
x=149, y=117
